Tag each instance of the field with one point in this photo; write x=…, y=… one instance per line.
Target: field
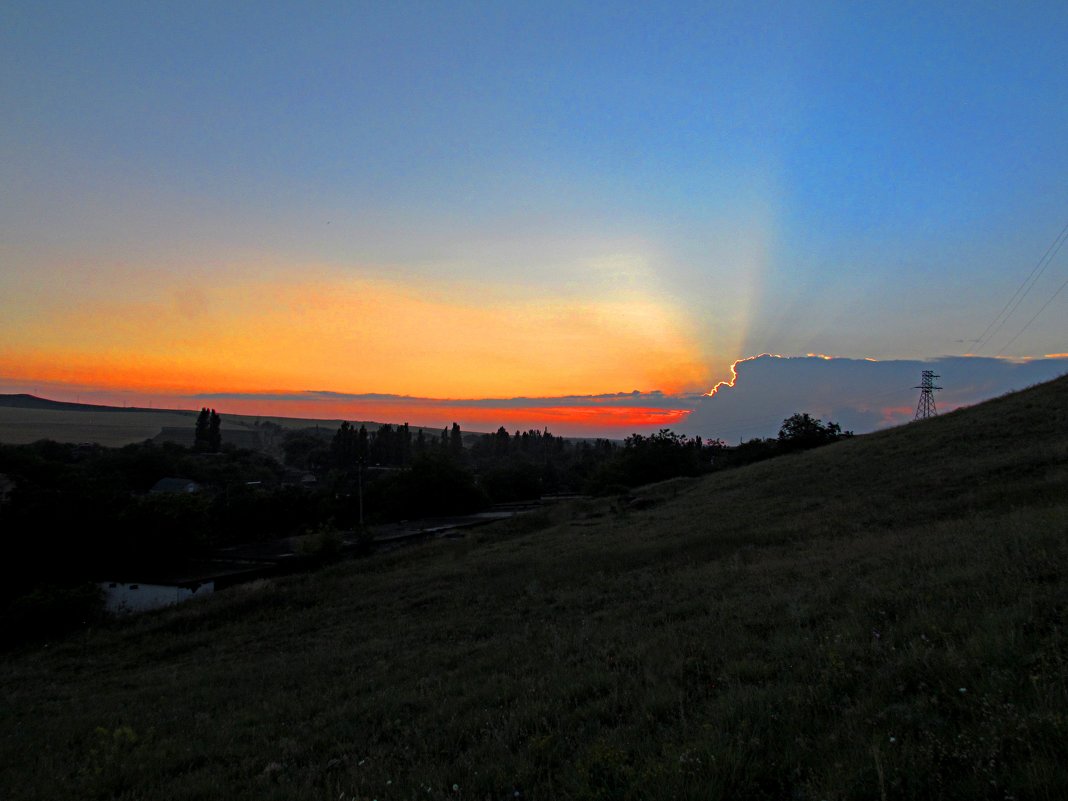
x=20, y=426
x=880, y=618
x=114, y=427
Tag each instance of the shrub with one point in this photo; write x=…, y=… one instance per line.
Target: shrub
x=51, y=609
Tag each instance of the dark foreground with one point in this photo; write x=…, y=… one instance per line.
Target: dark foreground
x=881, y=618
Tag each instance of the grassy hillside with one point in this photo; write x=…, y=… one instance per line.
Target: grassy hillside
x=881, y=618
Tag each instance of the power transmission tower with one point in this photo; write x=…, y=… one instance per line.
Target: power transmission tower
x=926, y=407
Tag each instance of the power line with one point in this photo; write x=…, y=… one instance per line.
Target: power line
x=1029, y=283
x=1044, y=305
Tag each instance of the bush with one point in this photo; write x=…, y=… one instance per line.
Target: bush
x=51, y=609
x=513, y=482
x=323, y=544
x=434, y=485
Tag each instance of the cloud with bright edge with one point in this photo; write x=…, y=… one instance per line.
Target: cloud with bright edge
x=859, y=394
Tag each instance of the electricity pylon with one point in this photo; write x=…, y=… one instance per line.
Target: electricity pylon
x=926, y=407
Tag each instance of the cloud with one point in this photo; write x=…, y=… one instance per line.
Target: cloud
x=860, y=394
x=636, y=399
x=613, y=415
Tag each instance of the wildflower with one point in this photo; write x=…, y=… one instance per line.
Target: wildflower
x=456, y=788
x=893, y=739
x=963, y=690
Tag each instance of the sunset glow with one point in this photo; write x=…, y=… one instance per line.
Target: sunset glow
x=330, y=331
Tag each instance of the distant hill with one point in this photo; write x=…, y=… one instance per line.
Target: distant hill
x=39, y=424
x=25, y=401
x=880, y=618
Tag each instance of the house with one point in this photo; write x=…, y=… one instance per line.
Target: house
x=182, y=582
x=178, y=485
x=298, y=478
x=122, y=597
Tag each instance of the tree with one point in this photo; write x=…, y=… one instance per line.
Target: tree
x=303, y=449
x=801, y=431
x=207, y=438
x=501, y=442
x=645, y=459
x=382, y=445
x=362, y=444
x=456, y=442
x=214, y=433
x=200, y=436
x=404, y=445
x=343, y=447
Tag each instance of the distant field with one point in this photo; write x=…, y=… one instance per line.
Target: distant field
x=115, y=428
x=19, y=426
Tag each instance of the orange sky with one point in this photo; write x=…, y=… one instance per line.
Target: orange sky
x=244, y=330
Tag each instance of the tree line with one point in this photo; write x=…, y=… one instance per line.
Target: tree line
x=87, y=512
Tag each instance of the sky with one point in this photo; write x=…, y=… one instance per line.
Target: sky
x=573, y=215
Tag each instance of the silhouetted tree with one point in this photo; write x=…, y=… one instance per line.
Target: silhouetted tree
x=644, y=459
x=201, y=441
x=303, y=449
x=382, y=445
x=214, y=432
x=801, y=431
x=343, y=448
x=362, y=444
x=456, y=442
x=501, y=442
x=404, y=445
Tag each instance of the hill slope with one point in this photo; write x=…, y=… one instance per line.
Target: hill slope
x=28, y=418
x=880, y=618
x=26, y=401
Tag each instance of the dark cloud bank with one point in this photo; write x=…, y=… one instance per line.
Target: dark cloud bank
x=655, y=399
x=861, y=395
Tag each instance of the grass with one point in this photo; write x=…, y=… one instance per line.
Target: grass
x=881, y=618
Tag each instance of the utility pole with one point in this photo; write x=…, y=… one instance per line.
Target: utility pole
x=926, y=407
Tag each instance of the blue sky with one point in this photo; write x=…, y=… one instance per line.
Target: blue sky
x=865, y=180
